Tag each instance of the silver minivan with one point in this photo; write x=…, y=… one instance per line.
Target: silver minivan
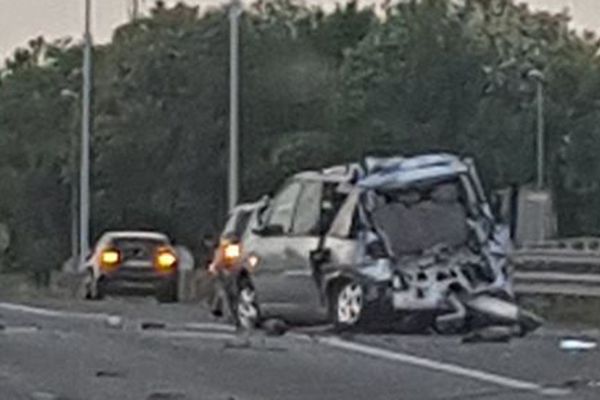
x=407, y=241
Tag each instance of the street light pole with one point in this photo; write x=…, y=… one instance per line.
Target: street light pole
x=69, y=94
x=539, y=78
x=84, y=201
x=540, y=135
x=234, y=32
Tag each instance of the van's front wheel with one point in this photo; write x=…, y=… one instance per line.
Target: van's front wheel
x=347, y=305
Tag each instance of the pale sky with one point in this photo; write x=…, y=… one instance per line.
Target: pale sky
x=21, y=20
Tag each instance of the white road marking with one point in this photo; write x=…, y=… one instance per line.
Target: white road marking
x=189, y=335
x=45, y=312
x=444, y=367
x=210, y=326
x=19, y=330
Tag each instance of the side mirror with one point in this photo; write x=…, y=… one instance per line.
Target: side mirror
x=320, y=256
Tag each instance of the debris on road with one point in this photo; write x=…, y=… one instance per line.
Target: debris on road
x=491, y=334
x=275, y=327
x=109, y=374
x=577, y=344
x=167, y=395
x=147, y=325
x=44, y=396
x=114, y=321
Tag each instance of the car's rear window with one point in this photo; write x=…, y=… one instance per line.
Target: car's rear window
x=137, y=248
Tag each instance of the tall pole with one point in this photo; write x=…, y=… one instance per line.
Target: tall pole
x=74, y=195
x=539, y=78
x=135, y=10
x=540, y=135
x=234, y=26
x=74, y=97
x=84, y=184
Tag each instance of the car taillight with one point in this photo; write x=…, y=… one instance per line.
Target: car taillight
x=165, y=260
x=232, y=252
x=110, y=258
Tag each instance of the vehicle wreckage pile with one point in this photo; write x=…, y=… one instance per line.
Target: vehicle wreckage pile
x=447, y=250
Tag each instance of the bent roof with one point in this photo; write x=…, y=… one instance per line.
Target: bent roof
x=392, y=172
x=398, y=173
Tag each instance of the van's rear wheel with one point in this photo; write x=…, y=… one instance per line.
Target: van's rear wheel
x=347, y=305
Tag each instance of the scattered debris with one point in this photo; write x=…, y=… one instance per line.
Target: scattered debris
x=275, y=327
x=257, y=343
x=44, y=396
x=146, y=325
x=491, y=334
x=114, y=321
x=578, y=344
x=109, y=374
x=168, y=395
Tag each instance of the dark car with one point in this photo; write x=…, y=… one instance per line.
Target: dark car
x=132, y=262
x=395, y=240
x=227, y=256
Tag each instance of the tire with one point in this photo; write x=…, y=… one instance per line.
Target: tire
x=167, y=292
x=246, y=309
x=347, y=305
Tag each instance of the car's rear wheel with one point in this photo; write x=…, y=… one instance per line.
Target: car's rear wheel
x=247, y=312
x=347, y=305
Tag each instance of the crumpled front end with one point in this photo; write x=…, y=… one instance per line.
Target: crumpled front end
x=429, y=218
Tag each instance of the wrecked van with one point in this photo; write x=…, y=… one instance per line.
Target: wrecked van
x=408, y=241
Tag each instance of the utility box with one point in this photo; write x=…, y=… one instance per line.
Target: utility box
x=535, y=216
x=528, y=212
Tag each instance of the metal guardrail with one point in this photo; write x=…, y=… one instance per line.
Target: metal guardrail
x=568, y=267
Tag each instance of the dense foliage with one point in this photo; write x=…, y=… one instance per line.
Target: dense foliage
x=317, y=88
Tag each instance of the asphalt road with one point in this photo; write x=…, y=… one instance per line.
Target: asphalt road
x=122, y=349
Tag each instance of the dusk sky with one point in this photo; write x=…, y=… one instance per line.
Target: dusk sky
x=21, y=20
